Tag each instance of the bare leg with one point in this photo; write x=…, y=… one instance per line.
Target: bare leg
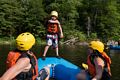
x=46, y=49
x=57, y=54
x=57, y=51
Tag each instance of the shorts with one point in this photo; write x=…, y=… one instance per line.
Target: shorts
x=52, y=40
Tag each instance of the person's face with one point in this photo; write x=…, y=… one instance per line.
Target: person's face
x=53, y=18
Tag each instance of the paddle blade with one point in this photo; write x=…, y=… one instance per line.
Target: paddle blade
x=85, y=66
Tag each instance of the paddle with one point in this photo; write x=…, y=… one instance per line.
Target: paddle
x=85, y=66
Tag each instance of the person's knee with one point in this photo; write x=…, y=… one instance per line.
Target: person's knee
x=47, y=46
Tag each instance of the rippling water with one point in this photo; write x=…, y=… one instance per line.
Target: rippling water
x=74, y=54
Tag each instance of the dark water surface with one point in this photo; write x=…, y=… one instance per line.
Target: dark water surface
x=74, y=54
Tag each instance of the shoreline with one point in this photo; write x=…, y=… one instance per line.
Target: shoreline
x=42, y=42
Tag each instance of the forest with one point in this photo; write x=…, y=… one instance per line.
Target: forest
x=82, y=19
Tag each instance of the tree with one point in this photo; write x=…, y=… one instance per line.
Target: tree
x=10, y=15
x=103, y=15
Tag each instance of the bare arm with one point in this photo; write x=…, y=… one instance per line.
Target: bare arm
x=48, y=71
x=99, y=64
x=61, y=32
x=16, y=69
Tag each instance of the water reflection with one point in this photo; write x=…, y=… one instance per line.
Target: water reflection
x=115, y=56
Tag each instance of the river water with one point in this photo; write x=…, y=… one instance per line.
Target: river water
x=74, y=54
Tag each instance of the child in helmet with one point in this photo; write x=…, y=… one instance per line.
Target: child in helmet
x=98, y=62
x=53, y=29
x=21, y=62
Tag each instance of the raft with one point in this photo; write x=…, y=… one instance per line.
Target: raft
x=114, y=47
x=60, y=69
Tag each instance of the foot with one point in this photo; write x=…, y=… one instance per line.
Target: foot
x=43, y=57
x=58, y=57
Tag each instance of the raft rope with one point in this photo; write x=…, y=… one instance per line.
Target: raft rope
x=53, y=70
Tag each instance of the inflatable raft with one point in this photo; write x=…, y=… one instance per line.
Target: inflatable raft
x=60, y=69
x=114, y=47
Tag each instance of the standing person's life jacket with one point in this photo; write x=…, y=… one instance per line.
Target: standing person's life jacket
x=52, y=28
x=13, y=57
x=91, y=65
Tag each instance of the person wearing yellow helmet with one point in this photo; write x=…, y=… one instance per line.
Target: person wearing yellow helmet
x=53, y=30
x=98, y=62
x=25, y=41
x=54, y=13
x=21, y=62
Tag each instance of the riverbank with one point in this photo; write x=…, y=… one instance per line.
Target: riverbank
x=39, y=41
x=10, y=41
x=7, y=40
x=73, y=41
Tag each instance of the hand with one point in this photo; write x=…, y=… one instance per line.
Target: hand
x=94, y=79
x=61, y=36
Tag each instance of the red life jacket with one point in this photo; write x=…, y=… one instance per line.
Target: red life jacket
x=52, y=28
x=13, y=57
x=91, y=66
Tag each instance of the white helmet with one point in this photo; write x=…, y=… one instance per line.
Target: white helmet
x=54, y=13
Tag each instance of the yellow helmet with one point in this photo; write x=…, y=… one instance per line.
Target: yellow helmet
x=25, y=41
x=54, y=13
x=97, y=45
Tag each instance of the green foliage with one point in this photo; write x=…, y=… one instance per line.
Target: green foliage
x=17, y=16
x=104, y=17
x=93, y=36
x=75, y=34
x=10, y=14
x=7, y=40
x=81, y=36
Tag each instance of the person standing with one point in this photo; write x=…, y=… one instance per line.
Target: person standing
x=54, y=30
